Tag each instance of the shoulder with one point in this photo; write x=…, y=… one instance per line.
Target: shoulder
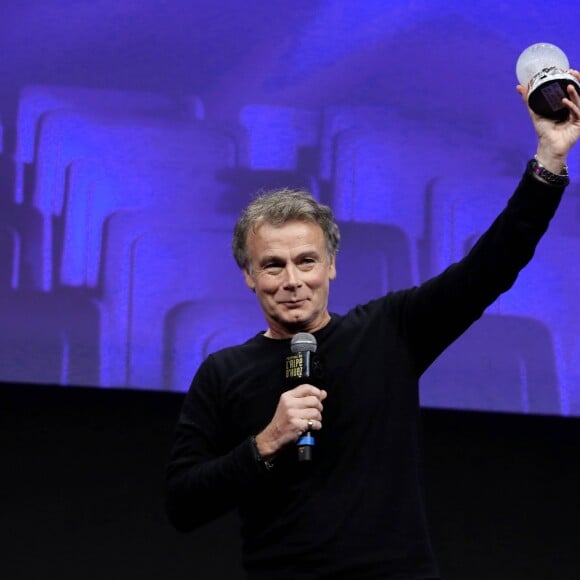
x=381, y=313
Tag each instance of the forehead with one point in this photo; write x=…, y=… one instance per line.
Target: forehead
x=292, y=235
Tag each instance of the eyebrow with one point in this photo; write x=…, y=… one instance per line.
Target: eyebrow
x=276, y=258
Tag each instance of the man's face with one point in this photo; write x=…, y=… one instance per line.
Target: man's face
x=290, y=271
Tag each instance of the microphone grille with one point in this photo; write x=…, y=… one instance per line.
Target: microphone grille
x=302, y=342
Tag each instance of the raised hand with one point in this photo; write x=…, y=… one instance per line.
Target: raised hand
x=556, y=138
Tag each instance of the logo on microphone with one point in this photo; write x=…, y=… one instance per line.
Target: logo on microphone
x=294, y=366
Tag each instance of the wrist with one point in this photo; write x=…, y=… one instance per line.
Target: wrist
x=261, y=455
x=266, y=444
x=553, y=162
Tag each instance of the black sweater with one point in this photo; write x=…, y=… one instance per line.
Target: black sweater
x=357, y=510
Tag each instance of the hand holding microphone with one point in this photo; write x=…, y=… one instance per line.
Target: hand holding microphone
x=296, y=408
x=299, y=410
x=303, y=366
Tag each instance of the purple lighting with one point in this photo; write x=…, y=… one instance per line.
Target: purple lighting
x=133, y=135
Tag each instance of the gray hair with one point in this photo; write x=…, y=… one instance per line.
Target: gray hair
x=277, y=207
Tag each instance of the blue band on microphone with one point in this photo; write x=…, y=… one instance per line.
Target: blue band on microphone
x=306, y=439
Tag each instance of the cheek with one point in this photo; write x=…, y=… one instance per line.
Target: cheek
x=267, y=286
x=319, y=285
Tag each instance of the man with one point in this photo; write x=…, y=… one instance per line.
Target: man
x=357, y=510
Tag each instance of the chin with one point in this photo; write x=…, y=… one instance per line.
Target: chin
x=298, y=321
x=293, y=324
x=300, y=324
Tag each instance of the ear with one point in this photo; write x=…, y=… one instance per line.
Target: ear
x=249, y=280
x=332, y=267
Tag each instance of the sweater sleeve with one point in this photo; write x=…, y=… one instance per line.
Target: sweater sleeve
x=206, y=476
x=440, y=310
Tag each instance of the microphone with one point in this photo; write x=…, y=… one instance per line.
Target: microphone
x=303, y=366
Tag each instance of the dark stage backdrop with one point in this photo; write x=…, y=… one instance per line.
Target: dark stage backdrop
x=82, y=473
x=133, y=132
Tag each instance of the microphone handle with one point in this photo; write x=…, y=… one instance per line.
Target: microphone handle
x=305, y=444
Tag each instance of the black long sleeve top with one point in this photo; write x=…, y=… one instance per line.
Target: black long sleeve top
x=357, y=510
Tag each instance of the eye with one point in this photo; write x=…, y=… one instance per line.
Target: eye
x=307, y=262
x=273, y=267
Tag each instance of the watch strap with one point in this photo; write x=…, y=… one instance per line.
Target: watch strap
x=536, y=169
x=267, y=465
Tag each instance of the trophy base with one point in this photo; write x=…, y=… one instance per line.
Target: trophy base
x=545, y=98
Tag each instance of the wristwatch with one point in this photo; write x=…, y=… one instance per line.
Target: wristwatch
x=538, y=170
x=268, y=465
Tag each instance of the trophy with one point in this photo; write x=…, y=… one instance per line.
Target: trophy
x=543, y=68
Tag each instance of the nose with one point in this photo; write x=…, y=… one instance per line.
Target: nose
x=291, y=277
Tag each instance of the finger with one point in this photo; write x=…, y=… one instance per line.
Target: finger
x=573, y=105
x=312, y=414
x=306, y=390
x=573, y=95
x=305, y=404
x=312, y=424
x=302, y=408
x=305, y=424
x=523, y=92
x=299, y=398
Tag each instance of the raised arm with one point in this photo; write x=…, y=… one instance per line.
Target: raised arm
x=440, y=310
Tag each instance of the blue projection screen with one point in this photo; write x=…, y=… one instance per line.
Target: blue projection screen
x=134, y=132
